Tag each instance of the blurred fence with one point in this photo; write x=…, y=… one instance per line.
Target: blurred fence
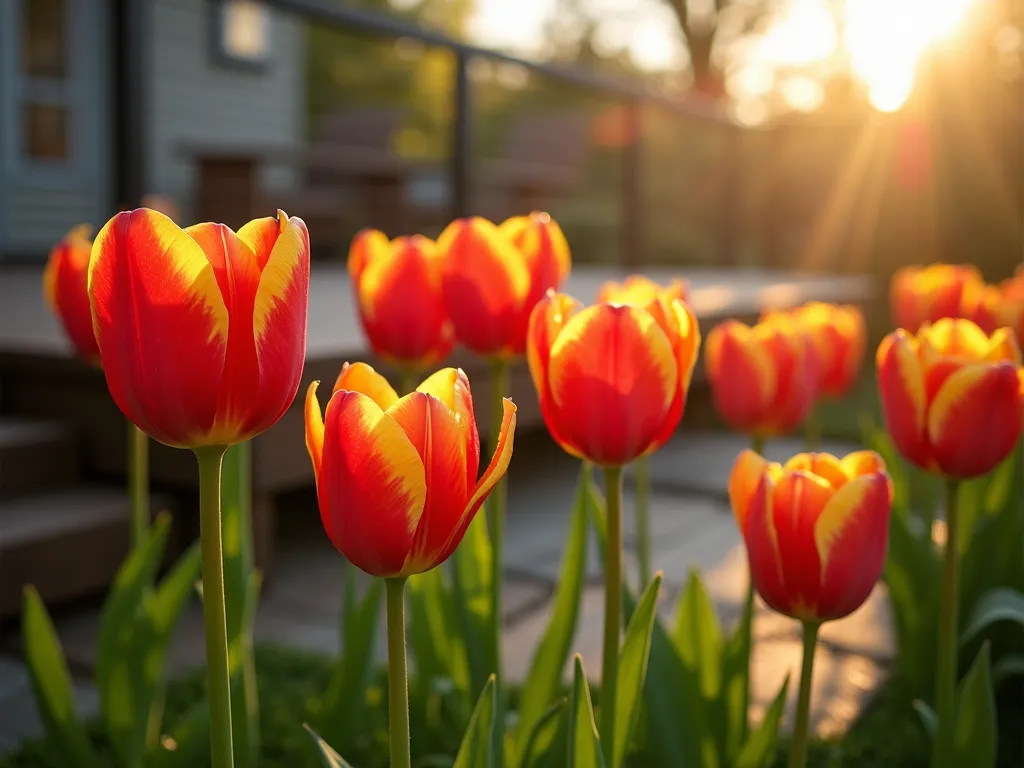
x=403, y=128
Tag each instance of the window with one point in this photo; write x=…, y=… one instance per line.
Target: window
x=44, y=96
x=242, y=32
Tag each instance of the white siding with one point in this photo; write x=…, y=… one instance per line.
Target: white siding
x=195, y=98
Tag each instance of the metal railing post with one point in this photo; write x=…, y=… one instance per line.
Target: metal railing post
x=632, y=186
x=462, y=140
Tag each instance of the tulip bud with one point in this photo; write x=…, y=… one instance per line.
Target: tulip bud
x=65, y=286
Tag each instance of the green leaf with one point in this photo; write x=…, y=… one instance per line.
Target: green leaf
x=188, y=743
x=345, y=701
x=1006, y=668
x=928, y=718
x=120, y=668
x=975, y=736
x=912, y=575
x=636, y=651
x=736, y=679
x=1002, y=604
x=51, y=685
x=546, y=726
x=544, y=680
x=584, y=744
x=439, y=652
x=330, y=758
x=471, y=582
x=241, y=593
x=477, y=748
x=759, y=750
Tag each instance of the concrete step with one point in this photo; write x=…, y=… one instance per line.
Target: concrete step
x=68, y=542
x=35, y=456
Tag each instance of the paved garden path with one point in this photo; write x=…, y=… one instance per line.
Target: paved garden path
x=692, y=527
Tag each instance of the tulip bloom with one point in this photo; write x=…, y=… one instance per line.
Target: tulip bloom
x=65, y=286
x=401, y=307
x=816, y=529
x=612, y=378
x=397, y=477
x=640, y=290
x=201, y=331
x=494, y=276
x=763, y=378
x=952, y=396
x=838, y=336
x=922, y=295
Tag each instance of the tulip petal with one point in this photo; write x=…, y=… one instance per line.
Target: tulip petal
x=539, y=238
x=494, y=472
x=435, y=432
x=862, y=463
x=161, y=324
x=372, y=487
x=822, y=465
x=679, y=324
x=486, y=284
x=314, y=429
x=546, y=321
x=851, y=537
x=975, y=420
x=613, y=378
x=744, y=479
x=66, y=289
x=451, y=387
x=901, y=385
x=1002, y=345
x=762, y=542
x=952, y=337
x=367, y=245
x=360, y=377
x=744, y=381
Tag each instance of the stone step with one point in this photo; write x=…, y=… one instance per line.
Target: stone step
x=67, y=542
x=35, y=456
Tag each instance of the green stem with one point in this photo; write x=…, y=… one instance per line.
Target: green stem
x=798, y=743
x=812, y=429
x=398, y=675
x=643, y=519
x=747, y=628
x=409, y=381
x=612, y=608
x=945, y=677
x=214, y=614
x=496, y=504
x=757, y=443
x=138, y=481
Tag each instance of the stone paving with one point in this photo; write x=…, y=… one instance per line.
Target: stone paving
x=692, y=527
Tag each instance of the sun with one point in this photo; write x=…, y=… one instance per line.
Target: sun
x=886, y=38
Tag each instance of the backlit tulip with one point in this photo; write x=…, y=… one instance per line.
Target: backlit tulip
x=1012, y=313
x=640, y=290
x=201, y=331
x=952, y=396
x=397, y=477
x=816, y=529
x=922, y=295
x=398, y=290
x=612, y=378
x=838, y=336
x=763, y=378
x=983, y=305
x=494, y=275
x=65, y=285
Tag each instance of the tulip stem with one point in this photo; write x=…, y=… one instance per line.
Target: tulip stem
x=398, y=675
x=138, y=482
x=757, y=443
x=945, y=680
x=643, y=519
x=747, y=626
x=408, y=382
x=801, y=726
x=496, y=525
x=612, y=608
x=214, y=612
x=812, y=429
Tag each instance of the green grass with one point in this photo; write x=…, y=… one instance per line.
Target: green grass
x=888, y=734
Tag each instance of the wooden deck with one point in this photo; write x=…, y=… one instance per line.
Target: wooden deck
x=40, y=379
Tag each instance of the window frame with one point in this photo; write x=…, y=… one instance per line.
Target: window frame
x=218, y=48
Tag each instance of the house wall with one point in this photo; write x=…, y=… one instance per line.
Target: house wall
x=196, y=98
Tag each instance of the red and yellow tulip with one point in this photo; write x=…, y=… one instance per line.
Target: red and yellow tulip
x=397, y=477
x=763, y=378
x=838, y=336
x=640, y=290
x=952, y=396
x=201, y=331
x=612, y=378
x=920, y=295
x=494, y=275
x=65, y=286
x=401, y=306
x=1012, y=313
x=816, y=529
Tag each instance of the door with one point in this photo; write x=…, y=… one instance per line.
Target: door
x=53, y=116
